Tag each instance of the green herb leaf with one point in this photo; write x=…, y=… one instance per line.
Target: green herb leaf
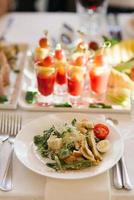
x=30, y=97
x=58, y=162
x=64, y=153
x=3, y=99
x=74, y=122
x=66, y=105
x=125, y=67
x=37, y=139
x=53, y=166
x=79, y=164
x=100, y=105
x=97, y=140
x=110, y=41
x=107, y=106
x=16, y=71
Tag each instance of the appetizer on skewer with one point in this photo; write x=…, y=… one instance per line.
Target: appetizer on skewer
x=4, y=72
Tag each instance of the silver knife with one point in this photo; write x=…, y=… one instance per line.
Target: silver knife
x=121, y=166
x=125, y=178
x=117, y=180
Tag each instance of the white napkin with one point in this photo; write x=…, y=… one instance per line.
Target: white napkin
x=84, y=189
x=28, y=186
x=128, y=155
x=126, y=128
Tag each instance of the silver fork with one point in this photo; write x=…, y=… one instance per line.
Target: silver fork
x=119, y=181
x=3, y=127
x=12, y=127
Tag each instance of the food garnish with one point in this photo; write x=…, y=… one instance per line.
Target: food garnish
x=120, y=80
x=3, y=99
x=93, y=45
x=66, y=105
x=100, y=105
x=43, y=42
x=47, y=61
x=101, y=131
x=112, y=41
x=30, y=97
x=119, y=96
x=9, y=57
x=103, y=146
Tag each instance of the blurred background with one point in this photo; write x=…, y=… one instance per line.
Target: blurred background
x=115, y=6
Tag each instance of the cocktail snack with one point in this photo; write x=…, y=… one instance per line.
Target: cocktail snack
x=11, y=52
x=87, y=71
x=1, y=85
x=43, y=49
x=4, y=72
x=46, y=74
x=74, y=146
x=99, y=73
x=60, y=64
x=75, y=80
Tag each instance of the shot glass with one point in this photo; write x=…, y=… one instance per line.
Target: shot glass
x=75, y=82
x=61, y=78
x=45, y=83
x=98, y=81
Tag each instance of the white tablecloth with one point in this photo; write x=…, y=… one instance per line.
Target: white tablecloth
x=28, y=185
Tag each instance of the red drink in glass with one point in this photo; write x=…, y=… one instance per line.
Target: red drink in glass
x=46, y=83
x=75, y=80
x=60, y=65
x=75, y=87
x=61, y=74
x=99, y=79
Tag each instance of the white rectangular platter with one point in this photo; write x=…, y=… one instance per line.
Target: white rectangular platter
x=29, y=82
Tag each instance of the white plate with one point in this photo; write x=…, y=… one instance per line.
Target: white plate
x=25, y=152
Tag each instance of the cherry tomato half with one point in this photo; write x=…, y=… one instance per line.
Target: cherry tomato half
x=132, y=74
x=58, y=54
x=80, y=60
x=101, y=131
x=47, y=61
x=93, y=45
x=43, y=42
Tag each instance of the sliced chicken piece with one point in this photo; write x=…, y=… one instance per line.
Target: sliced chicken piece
x=77, y=154
x=5, y=69
x=92, y=144
x=86, y=152
x=84, y=125
x=70, y=159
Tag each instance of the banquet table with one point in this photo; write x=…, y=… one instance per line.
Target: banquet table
x=27, y=185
